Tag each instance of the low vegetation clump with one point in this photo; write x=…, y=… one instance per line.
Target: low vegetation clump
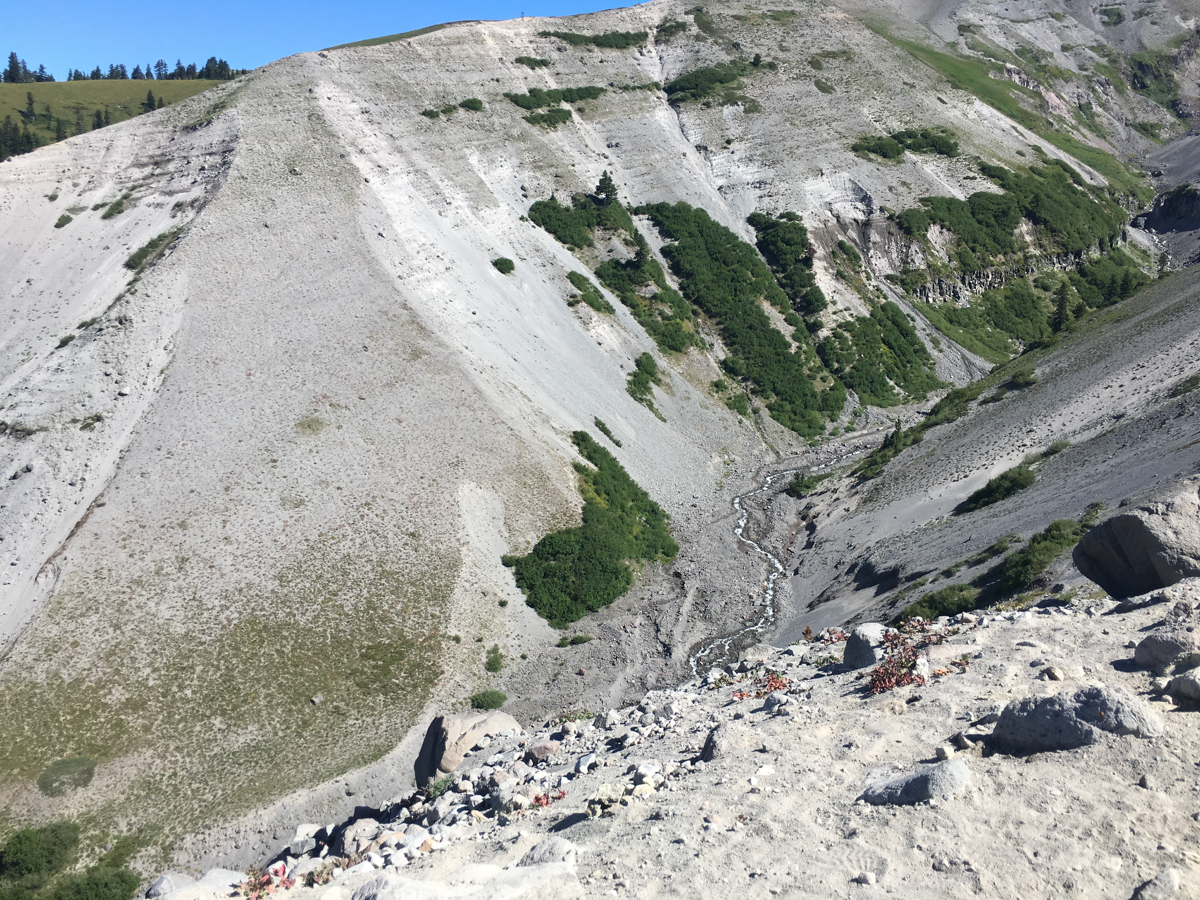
x=644, y=375
x=494, y=661
x=474, y=104
x=603, y=429
x=669, y=29
x=33, y=864
x=504, y=265
x=727, y=280
x=801, y=485
x=149, y=251
x=550, y=119
x=489, y=699
x=939, y=140
x=609, y=40
x=537, y=98
x=701, y=83
x=876, y=354
x=573, y=572
x=1186, y=386
x=533, y=62
x=573, y=225
x=64, y=340
x=1013, y=575
x=588, y=293
x=63, y=221
x=573, y=641
x=1003, y=486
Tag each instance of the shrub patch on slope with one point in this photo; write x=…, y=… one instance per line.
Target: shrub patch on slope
x=576, y=571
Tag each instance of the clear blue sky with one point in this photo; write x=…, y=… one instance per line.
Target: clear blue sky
x=74, y=34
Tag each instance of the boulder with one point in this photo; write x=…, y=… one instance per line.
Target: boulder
x=450, y=737
x=168, y=882
x=1185, y=687
x=1165, y=884
x=1069, y=720
x=1153, y=546
x=355, y=836
x=720, y=741
x=1157, y=651
x=549, y=850
x=540, y=751
x=942, y=780
x=864, y=647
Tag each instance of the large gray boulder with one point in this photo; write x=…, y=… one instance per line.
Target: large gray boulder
x=1158, y=651
x=865, y=646
x=1151, y=547
x=450, y=737
x=942, y=780
x=1069, y=720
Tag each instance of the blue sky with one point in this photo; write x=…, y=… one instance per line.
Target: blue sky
x=73, y=34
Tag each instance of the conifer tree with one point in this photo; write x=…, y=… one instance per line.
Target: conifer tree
x=30, y=115
x=1062, y=308
x=60, y=130
x=12, y=72
x=150, y=104
x=606, y=190
x=97, y=120
x=107, y=117
x=136, y=75
x=161, y=102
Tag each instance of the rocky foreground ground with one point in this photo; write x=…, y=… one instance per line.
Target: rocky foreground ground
x=1045, y=752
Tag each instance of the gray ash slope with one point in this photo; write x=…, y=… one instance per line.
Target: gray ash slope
x=324, y=417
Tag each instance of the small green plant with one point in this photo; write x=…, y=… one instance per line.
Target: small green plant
x=802, y=484
x=1056, y=448
x=64, y=340
x=435, y=789
x=504, y=265
x=474, y=104
x=495, y=659
x=604, y=430
x=573, y=641
x=89, y=424
x=644, y=374
x=1186, y=386
x=1022, y=379
x=999, y=488
x=533, y=62
x=141, y=257
x=88, y=323
x=63, y=221
x=611, y=40
x=503, y=603
x=457, y=638
x=431, y=114
x=489, y=699
x=550, y=119
x=588, y=293
x=823, y=86
x=116, y=207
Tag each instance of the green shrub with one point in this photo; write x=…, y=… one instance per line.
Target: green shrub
x=888, y=148
x=588, y=293
x=783, y=242
x=39, y=851
x=850, y=254
x=1022, y=379
x=490, y=699
x=533, y=62
x=1056, y=448
x=573, y=641
x=431, y=114
x=739, y=403
x=504, y=265
x=1000, y=488
x=873, y=355
x=472, y=103
x=63, y=221
x=495, y=659
x=550, y=119
x=1017, y=572
x=612, y=40
x=64, y=340
x=644, y=374
x=1186, y=386
x=540, y=99
x=801, y=485
x=435, y=789
x=575, y=571
x=114, y=209
x=726, y=278
x=604, y=430
x=1110, y=16
x=94, y=884
x=700, y=83
x=948, y=601
x=148, y=251
x=823, y=86
x=897, y=441
x=669, y=29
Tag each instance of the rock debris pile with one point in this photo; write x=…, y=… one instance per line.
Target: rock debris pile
x=1045, y=751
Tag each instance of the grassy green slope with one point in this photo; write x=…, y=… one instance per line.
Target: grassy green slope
x=123, y=99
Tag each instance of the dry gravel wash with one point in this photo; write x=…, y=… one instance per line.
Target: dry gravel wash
x=333, y=415
x=779, y=811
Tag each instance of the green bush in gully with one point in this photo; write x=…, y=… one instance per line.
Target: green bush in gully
x=644, y=374
x=490, y=699
x=33, y=863
x=573, y=572
x=726, y=279
x=873, y=355
x=783, y=242
x=588, y=293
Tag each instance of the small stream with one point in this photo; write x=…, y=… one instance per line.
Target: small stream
x=717, y=650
